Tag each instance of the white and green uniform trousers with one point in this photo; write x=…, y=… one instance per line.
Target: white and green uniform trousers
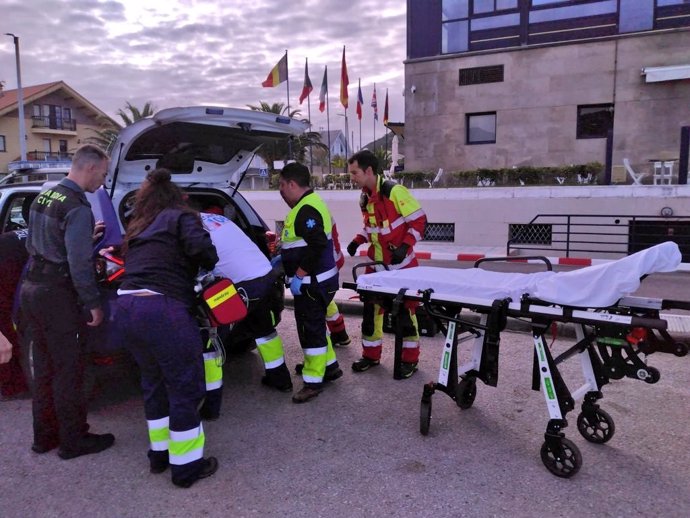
x=164, y=339
x=261, y=323
x=318, y=288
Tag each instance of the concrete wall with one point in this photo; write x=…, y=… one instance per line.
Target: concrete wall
x=482, y=215
x=536, y=104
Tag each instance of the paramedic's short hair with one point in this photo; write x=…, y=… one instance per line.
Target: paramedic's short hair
x=364, y=159
x=298, y=173
x=88, y=154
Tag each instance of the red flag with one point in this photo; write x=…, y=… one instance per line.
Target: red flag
x=385, y=110
x=344, y=81
x=375, y=105
x=307, y=88
x=278, y=74
x=360, y=100
x=324, y=90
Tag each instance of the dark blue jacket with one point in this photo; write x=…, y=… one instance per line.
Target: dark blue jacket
x=167, y=255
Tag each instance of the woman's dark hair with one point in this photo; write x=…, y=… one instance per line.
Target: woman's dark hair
x=157, y=192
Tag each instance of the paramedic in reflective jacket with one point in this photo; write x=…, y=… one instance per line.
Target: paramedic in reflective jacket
x=240, y=260
x=164, y=247
x=59, y=298
x=311, y=273
x=393, y=221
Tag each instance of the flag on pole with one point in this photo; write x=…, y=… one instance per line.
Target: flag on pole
x=375, y=105
x=278, y=75
x=324, y=90
x=344, y=81
x=360, y=100
x=307, y=88
x=385, y=110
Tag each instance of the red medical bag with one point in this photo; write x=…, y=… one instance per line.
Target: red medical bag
x=223, y=303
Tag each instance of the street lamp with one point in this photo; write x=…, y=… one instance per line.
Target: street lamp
x=20, y=99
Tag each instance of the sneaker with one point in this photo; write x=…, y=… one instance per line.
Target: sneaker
x=306, y=393
x=364, y=364
x=340, y=339
x=329, y=375
x=90, y=443
x=281, y=387
x=407, y=369
x=210, y=467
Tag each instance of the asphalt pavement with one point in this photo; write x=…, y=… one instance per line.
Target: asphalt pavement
x=356, y=450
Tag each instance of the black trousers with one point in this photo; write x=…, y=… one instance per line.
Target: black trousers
x=57, y=323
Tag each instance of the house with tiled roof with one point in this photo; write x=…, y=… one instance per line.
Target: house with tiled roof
x=57, y=119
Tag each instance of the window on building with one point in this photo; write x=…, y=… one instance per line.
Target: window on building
x=455, y=33
x=490, y=6
x=67, y=114
x=3, y=144
x=63, y=146
x=594, y=120
x=480, y=128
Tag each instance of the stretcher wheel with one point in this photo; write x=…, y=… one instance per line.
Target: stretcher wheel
x=653, y=375
x=562, y=459
x=424, y=416
x=465, y=392
x=680, y=349
x=599, y=428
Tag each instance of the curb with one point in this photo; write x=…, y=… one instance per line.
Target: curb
x=472, y=257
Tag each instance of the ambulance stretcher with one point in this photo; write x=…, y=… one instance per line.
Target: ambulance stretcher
x=612, y=330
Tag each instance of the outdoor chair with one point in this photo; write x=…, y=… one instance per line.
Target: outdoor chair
x=636, y=177
x=436, y=179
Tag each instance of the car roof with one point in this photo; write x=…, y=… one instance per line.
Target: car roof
x=201, y=145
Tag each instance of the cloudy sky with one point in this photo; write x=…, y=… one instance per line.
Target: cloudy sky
x=190, y=52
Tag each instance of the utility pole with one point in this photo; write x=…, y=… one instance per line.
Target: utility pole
x=20, y=100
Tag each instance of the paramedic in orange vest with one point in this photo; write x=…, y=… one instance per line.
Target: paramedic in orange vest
x=393, y=222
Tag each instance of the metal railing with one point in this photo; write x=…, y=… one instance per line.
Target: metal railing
x=41, y=121
x=599, y=234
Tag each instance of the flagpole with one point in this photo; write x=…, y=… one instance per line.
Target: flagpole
x=287, y=83
x=311, y=146
x=361, y=108
x=385, y=109
x=328, y=127
x=375, y=118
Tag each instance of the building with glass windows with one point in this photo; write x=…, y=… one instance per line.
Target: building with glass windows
x=500, y=83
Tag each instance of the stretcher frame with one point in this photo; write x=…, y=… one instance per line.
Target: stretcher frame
x=604, y=345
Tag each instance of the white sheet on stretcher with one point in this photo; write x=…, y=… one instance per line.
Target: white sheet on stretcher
x=596, y=286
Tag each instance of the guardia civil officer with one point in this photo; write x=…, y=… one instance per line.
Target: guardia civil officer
x=164, y=248
x=58, y=298
x=311, y=272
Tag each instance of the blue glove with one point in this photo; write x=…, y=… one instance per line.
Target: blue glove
x=276, y=260
x=296, y=286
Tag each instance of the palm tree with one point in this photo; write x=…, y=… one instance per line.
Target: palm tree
x=298, y=145
x=106, y=136
x=135, y=113
x=279, y=108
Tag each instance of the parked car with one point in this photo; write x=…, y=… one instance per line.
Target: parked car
x=208, y=150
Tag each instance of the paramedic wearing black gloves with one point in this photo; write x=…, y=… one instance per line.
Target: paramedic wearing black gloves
x=58, y=298
x=311, y=273
x=164, y=247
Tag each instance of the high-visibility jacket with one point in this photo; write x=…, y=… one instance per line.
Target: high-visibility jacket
x=307, y=241
x=391, y=216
